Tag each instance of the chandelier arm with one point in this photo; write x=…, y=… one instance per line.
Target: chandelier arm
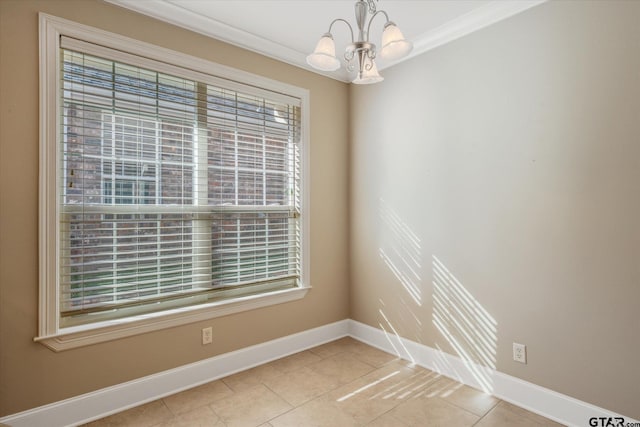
x=346, y=22
x=373, y=16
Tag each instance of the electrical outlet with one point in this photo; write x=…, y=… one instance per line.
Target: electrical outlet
x=520, y=353
x=207, y=335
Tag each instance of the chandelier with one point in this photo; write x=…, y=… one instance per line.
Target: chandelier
x=360, y=54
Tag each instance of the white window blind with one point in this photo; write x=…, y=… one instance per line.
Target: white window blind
x=176, y=187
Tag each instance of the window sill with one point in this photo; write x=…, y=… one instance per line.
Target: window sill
x=85, y=335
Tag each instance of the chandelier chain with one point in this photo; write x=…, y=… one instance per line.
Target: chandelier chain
x=372, y=6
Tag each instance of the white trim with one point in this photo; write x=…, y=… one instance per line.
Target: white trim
x=48, y=219
x=548, y=403
x=60, y=26
x=101, y=403
x=94, y=333
x=305, y=124
x=172, y=13
x=110, y=400
x=181, y=17
x=468, y=23
x=49, y=331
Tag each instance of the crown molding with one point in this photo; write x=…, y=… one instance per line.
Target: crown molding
x=181, y=17
x=475, y=20
x=175, y=14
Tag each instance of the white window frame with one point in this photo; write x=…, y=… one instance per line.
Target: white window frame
x=49, y=331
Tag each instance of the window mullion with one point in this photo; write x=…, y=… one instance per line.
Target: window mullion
x=114, y=231
x=158, y=224
x=236, y=199
x=264, y=188
x=293, y=223
x=202, y=221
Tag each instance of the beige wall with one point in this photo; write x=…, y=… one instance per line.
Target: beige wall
x=497, y=179
x=493, y=179
x=30, y=374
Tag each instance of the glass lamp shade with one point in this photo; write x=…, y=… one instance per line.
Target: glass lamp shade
x=368, y=76
x=394, y=45
x=324, y=56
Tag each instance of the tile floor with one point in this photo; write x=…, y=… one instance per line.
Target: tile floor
x=340, y=384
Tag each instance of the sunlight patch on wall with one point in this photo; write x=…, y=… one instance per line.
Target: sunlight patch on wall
x=400, y=250
x=394, y=338
x=468, y=328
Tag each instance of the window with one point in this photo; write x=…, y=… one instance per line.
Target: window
x=177, y=193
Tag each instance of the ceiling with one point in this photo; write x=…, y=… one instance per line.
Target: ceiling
x=288, y=30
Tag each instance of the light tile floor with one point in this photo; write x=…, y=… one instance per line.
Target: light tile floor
x=340, y=384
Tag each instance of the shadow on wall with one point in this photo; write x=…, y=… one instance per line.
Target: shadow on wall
x=400, y=249
x=466, y=326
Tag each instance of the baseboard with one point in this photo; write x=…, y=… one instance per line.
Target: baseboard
x=87, y=407
x=91, y=406
x=539, y=400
